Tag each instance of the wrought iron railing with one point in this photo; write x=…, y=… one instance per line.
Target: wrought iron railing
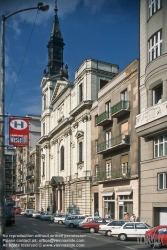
x=102, y=117
x=114, y=173
x=122, y=139
x=119, y=106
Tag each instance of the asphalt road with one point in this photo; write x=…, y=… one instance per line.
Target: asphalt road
x=34, y=234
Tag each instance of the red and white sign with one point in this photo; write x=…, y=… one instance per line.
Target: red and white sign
x=18, y=131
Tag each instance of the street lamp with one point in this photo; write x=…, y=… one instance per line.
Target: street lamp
x=41, y=7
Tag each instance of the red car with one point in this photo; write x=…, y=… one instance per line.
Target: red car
x=17, y=210
x=157, y=236
x=93, y=226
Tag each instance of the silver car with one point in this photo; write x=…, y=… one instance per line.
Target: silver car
x=45, y=216
x=74, y=220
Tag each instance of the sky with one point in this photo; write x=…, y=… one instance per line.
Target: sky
x=105, y=30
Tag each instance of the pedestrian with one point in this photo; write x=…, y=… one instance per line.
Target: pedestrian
x=96, y=213
x=133, y=217
x=107, y=216
x=126, y=217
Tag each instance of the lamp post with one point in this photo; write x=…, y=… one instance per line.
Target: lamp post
x=41, y=7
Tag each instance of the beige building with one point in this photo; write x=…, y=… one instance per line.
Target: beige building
x=115, y=146
x=28, y=161
x=151, y=123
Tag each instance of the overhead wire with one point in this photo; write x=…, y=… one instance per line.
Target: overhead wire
x=22, y=61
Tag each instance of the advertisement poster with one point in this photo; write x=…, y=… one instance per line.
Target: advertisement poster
x=18, y=131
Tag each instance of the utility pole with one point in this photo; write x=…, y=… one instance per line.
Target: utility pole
x=41, y=7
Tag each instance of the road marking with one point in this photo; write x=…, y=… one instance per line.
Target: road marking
x=125, y=246
x=25, y=226
x=34, y=224
x=92, y=237
x=35, y=231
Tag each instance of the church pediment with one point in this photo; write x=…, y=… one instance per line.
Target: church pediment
x=60, y=87
x=79, y=134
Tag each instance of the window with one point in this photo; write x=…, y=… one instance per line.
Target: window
x=162, y=181
x=43, y=168
x=80, y=151
x=155, y=46
x=124, y=96
x=108, y=139
x=43, y=129
x=157, y=94
x=129, y=226
x=80, y=93
x=62, y=158
x=108, y=169
x=108, y=106
x=44, y=102
x=160, y=146
x=140, y=226
x=96, y=170
x=96, y=143
x=103, y=83
x=154, y=5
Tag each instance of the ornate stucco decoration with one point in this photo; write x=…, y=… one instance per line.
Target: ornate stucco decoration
x=42, y=156
x=75, y=125
x=72, y=144
x=68, y=132
x=80, y=164
x=47, y=146
x=79, y=134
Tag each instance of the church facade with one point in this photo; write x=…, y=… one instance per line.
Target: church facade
x=66, y=128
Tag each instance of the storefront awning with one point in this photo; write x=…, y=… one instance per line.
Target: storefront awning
x=107, y=193
x=123, y=192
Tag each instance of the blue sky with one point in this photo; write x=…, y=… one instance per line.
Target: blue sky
x=106, y=30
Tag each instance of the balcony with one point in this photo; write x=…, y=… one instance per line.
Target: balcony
x=120, y=109
x=118, y=142
x=114, y=174
x=103, y=119
x=19, y=192
x=30, y=164
x=30, y=178
x=152, y=121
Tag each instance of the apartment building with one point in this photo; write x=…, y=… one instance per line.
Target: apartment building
x=28, y=161
x=115, y=146
x=151, y=123
x=10, y=165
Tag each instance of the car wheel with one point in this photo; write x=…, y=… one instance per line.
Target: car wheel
x=60, y=222
x=108, y=233
x=92, y=230
x=122, y=237
x=71, y=225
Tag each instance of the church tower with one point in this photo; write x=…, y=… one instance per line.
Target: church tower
x=55, y=47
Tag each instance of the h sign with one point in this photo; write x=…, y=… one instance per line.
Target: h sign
x=18, y=131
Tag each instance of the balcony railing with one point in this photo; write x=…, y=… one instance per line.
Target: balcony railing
x=114, y=173
x=103, y=119
x=29, y=191
x=121, y=108
x=117, y=142
x=30, y=178
x=20, y=192
x=30, y=164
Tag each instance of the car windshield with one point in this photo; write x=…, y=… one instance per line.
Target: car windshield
x=148, y=226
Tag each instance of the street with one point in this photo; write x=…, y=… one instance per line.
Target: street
x=29, y=233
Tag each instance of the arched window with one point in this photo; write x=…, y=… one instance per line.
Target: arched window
x=80, y=151
x=62, y=158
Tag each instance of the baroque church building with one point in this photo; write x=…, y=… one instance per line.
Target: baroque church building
x=66, y=128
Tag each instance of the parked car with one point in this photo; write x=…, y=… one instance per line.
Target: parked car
x=87, y=219
x=60, y=219
x=22, y=212
x=53, y=215
x=28, y=212
x=17, y=210
x=130, y=230
x=74, y=220
x=93, y=226
x=45, y=216
x=106, y=229
x=157, y=236
x=36, y=215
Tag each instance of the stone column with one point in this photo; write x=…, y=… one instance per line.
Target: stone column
x=58, y=200
x=164, y=96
